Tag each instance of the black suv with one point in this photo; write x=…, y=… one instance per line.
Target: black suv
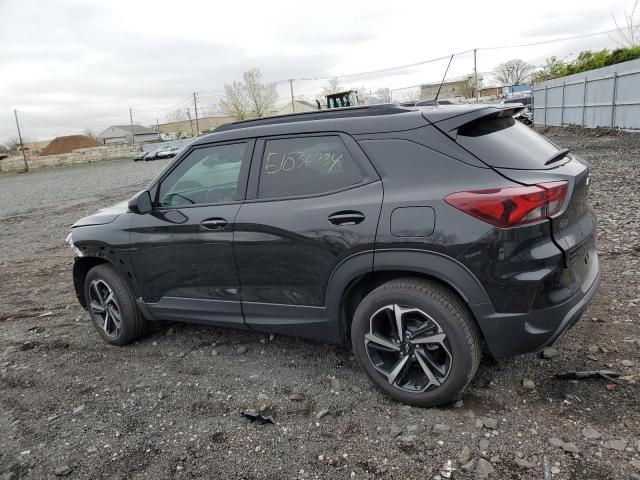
x=420, y=235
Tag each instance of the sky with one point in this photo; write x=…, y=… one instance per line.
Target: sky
x=67, y=65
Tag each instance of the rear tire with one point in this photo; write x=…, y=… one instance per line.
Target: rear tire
x=428, y=357
x=112, y=306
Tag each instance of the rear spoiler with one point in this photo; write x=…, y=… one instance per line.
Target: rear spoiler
x=451, y=124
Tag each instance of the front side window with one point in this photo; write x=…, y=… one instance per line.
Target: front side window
x=306, y=166
x=207, y=175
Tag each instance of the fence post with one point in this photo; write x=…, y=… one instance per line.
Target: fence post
x=584, y=100
x=614, y=94
x=546, y=87
x=562, y=105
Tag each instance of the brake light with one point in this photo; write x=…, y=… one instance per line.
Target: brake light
x=507, y=207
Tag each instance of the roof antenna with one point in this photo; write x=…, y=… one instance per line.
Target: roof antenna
x=435, y=100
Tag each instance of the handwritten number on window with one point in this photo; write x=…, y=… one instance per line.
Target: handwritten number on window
x=285, y=162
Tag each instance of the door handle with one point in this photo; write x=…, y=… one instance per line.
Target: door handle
x=346, y=218
x=214, y=223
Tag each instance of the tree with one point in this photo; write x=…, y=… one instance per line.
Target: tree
x=513, y=72
x=412, y=96
x=384, y=94
x=469, y=86
x=88, y=132
x=332, y=86
x=628, y=34
x=553, y=68
x=12, y=144
x=176, y=116
x=250, y=98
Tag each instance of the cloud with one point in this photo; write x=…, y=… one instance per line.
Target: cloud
x=72, y=64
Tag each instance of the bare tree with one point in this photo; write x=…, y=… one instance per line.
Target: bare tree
x=89, y=132
x=469, y=86
x=384, y=94
x=412, y=96
x=332, y=86
x=12, y=144
x=251, y=98
x=176, y=116
x=513, y=72
x=628, y=34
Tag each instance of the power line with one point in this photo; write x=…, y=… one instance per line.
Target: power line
x=564, y=39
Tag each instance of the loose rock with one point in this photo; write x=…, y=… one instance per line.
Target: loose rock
x=522, y=463
x=441, y=428
x=549, y=352
x=570, y=448
x=296, y=397
x=483, y=444
x=242, y=349
x=626, y=363
x=619, y=445
x=490, y=423
x=395, y=431
x=483, y=468
x=62, y=471
x=464, y=456
x=322, y=413
x=469, y=466
x=591, y=433
x=528, y=384
x=556, y=442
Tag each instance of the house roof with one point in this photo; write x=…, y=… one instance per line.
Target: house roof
x=137, y=130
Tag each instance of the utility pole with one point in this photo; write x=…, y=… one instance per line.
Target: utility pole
x=133, y=138
x=195, y=108
x=190, y=121
x=158, y=125
x=24, y=155
x=293, y=103
x=475, y=77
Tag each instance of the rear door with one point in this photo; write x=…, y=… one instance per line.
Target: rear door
x=520, y=154
x=312, y=201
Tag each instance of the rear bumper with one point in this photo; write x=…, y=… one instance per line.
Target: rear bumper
x=513, y=334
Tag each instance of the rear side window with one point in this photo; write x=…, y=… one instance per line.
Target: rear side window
x=294, y=167
x=506, y=143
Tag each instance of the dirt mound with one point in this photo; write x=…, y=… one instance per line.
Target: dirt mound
x=68, y=143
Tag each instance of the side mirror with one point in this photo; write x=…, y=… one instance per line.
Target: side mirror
x=141, y=203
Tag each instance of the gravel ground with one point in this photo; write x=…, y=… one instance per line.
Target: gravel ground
x=168, y=406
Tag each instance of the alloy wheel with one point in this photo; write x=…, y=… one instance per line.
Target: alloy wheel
x=409, y=348
x=104, y=307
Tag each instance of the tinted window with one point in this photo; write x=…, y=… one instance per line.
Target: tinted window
x=206, y=175
x=507, y=143
x=306, y=166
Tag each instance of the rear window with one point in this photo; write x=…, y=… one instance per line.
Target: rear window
x=506, y=143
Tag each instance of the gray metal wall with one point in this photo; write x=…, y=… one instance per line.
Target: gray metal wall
x=606, y=97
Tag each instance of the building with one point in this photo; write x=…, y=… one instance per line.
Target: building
x=300, y=106
x=491, y=92
x=123, y=134
x=186, y=128
x=457, y=88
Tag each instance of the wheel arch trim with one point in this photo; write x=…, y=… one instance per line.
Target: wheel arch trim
x=445, y=269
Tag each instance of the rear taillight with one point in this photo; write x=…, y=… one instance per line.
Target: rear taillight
x=507, y=207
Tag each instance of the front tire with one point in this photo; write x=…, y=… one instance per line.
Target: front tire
x=112, y=307
x=416, y=342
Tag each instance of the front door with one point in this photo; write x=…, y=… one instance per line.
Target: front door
x=313, y=201
x=182, y=251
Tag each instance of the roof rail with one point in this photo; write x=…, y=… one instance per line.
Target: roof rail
x=346, y=112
